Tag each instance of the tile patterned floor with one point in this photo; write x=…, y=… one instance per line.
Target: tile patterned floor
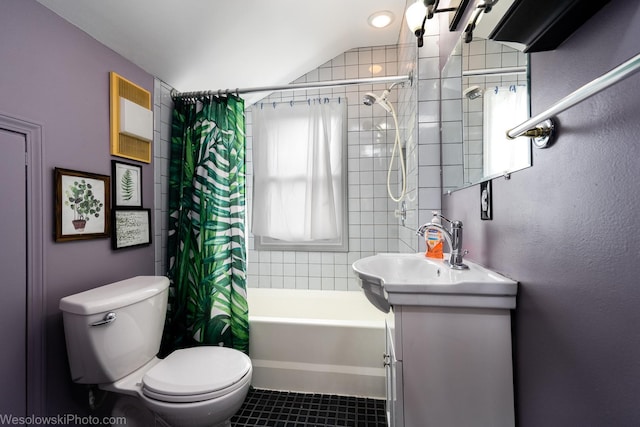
x=287, y=409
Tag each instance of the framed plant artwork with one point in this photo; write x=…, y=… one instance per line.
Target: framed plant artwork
x=131, y=227
x=127, y=184
x=81, y=205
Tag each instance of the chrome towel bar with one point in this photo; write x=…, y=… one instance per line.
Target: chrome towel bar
x=540, y=127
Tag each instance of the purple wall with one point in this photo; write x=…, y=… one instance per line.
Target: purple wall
x=567, y=230
x=55, y=75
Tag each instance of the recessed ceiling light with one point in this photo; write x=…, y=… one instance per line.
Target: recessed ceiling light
x=381, y=19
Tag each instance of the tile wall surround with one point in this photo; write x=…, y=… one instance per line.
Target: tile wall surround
x=163, y=108
x=453, y=168
x=373, y=225
x=429, y=174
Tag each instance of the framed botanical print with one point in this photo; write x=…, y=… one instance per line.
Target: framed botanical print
x=127, y=184
x=82, y=208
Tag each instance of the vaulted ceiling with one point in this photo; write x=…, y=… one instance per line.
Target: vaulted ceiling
x=217, y=44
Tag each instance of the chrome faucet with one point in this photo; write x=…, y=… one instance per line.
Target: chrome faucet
x=453, y=238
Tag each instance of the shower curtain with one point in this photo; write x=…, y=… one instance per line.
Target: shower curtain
x=206, y=243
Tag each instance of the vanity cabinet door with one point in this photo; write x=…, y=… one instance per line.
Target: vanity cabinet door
x=389, y=374
x=458, y=365
x=393, y=380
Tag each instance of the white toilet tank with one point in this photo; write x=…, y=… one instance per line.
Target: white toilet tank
x=114, y=329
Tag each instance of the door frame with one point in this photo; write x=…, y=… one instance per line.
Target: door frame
x=35, y=259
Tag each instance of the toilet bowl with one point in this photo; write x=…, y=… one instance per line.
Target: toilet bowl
x=113, y=334
x=200, y=386
x=135, y=412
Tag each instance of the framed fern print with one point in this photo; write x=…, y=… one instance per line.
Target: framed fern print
x=126, y=179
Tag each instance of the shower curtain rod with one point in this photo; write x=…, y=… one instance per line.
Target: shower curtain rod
x=495, y=71
x=295, y=86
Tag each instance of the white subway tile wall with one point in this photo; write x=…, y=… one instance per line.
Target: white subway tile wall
x=429, y=171
x=373, y=226
x=163, y=108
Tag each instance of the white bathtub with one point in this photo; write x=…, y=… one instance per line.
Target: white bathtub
x=316, y=342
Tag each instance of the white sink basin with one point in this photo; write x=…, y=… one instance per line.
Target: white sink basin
x=413, y=279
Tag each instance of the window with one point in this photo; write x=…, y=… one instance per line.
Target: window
x=299, y=190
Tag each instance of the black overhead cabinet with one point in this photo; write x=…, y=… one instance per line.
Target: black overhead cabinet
x=544, y=24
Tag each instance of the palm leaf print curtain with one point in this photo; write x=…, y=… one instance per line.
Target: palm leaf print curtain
x=206, y=244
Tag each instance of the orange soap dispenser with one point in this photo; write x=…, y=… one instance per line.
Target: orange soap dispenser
x=434, y=240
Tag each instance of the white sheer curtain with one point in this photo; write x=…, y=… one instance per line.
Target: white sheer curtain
x=297, y=166
x=504, y=107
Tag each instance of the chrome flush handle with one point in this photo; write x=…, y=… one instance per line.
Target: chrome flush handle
x=108, y=318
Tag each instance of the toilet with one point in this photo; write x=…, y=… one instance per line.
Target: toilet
x=113, y=336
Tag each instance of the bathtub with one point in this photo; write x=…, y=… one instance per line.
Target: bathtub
x=315, y=341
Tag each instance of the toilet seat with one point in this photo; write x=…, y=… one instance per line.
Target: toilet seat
x=196, y=374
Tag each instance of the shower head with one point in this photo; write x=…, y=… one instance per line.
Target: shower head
x=472, y=92
x=370, y=99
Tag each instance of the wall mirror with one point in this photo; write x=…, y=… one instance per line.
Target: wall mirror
x=484, y=91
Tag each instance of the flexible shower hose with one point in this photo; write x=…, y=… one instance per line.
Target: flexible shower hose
x=398, y=148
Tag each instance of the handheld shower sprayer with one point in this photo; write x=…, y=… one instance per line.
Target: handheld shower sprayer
x=370, y=99
x=472, y=92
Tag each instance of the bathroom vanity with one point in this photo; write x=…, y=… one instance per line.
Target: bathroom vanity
x=448, y=341
x=449, y=366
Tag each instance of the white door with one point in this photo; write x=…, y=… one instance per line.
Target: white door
x=13, y=265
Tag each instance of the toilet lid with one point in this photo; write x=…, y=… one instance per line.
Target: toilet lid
x=196, y=371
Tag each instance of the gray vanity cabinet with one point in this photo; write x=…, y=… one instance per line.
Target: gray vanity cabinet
x=449, y=367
